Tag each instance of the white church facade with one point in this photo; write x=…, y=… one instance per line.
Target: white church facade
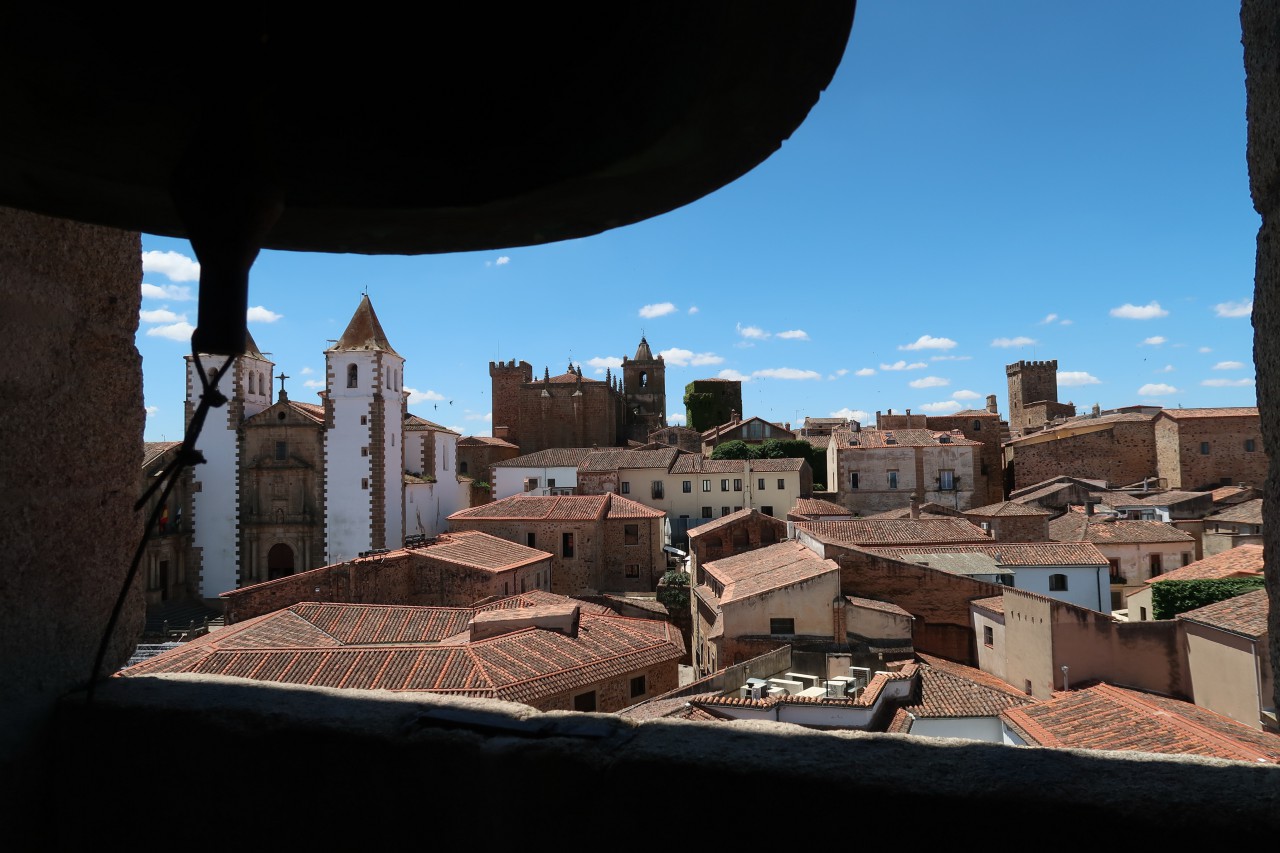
x=289, y=486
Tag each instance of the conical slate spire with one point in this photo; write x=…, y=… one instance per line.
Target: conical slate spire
x=364, y=332
x=642, y=352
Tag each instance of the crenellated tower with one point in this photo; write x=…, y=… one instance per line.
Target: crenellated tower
x=644, y=384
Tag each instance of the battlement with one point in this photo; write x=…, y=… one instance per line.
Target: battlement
x=523, y=368
x=1019, y=366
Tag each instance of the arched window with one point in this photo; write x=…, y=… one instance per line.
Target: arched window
x=977, y=425
x=279, y=561
x=251, y=375
x=262, y=385
x=353, y=376
x=644, y=378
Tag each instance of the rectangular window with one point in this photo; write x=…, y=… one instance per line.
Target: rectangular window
x=686, y=486
x=638, y=687
x=364, y=420
x=1116, y=577
x=853, y=479
x=724, y=510
x=364, y=482
x=282, y=451
x=988, y=637
x=1156, y=567
x=767, y=510
x=566, y=544
x=1186, y=558
x=893, y=479
x=1057, y=583
x=706, y=485
x=1204, y=448
x=737, y=509
x=760, y=484
x=737, y=485
x=551, y=482
x=724, y=485
x=1249, y=445
x=530, y=539
x=626, y=487
x=633, y=570
x=631, y=534
x=782, y=484
x=706, y=512
x=946, y=480
x=585, y=702
x=657, y=490
x=779, y=625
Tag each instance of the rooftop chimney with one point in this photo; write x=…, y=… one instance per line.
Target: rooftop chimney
x=915, y=505
x=991, y=404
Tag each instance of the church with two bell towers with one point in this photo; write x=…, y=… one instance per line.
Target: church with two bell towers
x=289, y=486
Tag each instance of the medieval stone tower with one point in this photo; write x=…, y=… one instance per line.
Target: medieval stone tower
x=1033, y=395
x=644, y=384
x=364, y=448
x=215, y=487
x=507, y=379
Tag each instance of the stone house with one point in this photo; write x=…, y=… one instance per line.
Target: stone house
x=981, y=425
x=753, y=430
x=874, y=470
x=1136, y=550
x=1240, y=561
x=1235, y=525
x=540, y=473
x=599, y=543
x=735, y=533
x=1117, y=449
x=478, y=453
x=546, y=651
x=1198, y=449
x=1011, y=521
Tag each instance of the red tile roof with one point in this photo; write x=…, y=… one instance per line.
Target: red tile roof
x=1248, y=512
x=485, y=440
x=868, y=531
x=416, y=423
x=554, y=457
x=1240, y=561
x=400, y=648
x=1245, y=614
x=951, y=691
x=478, y=550
x=558, y=507
x=873, y=439
x=1005, y=509
x=612, y=459
x=1011, y=554
x=731, y=518
x=818, y=507
x=1081, y=527
x=1234, y=412
x=766, y=569
x=1112, y=718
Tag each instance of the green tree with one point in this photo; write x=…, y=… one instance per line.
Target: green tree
x=1169, y=598
x=735, y=450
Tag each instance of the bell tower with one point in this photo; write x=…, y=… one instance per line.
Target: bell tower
x=644, y=387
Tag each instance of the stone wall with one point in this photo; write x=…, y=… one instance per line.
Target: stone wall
x=1120, y=453
x=1184, y=464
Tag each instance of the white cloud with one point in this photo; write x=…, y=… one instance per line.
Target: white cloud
x=1227, y=383
x=1020, y=341
x=902, y=365
x=151, y=410
x=600, y=363
x=174, y=332
x=657, y=309
x=476, y=416
x=676, y=419
x=841, y=372
x=503, y=260
x=1140, y=312
x=1234, y=309
x=1066, y=322
x=950, y=357
x=1153, y=341
x=258, y=314
x=1077, y=377
x=852, y=414
x=1168, y=368
x=176, y=292
x=316, y=384
x=967, y=395
x=929, y=382
x=794, y=335
x=733, y=375
x=693, y=309
x=1156, y=389
x=752, y=332
x=786, y=373
x=306, y=371
x=683, y=357
x=416, y=396
x=161, y=315
x=1205, y=349
x=865, y=371
x=1048, y=318
x=174, y=266
x=941, y=408
x=1228, y=365
x=927, y=342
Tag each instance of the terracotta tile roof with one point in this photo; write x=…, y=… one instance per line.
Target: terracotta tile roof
x=868, y=532
x=484, y=440
x=612, y=459
x=1244, y=614
x=994, y=603
x=312, y=411
x=1112, y=718
x=153, y=450
x=620, y=507
x=726, y=520
x=1230, y=492
x=478, y=550
x=1240, y=561
x=826, y=421
x=538, y=507
x=715, y=431
x=818, y=507
x=1010, y=554
x=1083, y=423
x=973, y=413
x=1048, y=487
x=414, y=423
x=953, y=691
x=1005, y=509
x=399, y=648
x=364, y=332
x=873, y=604
x=766, y=569
x=1233, y=412
x=776, y=466
x=553, y=457
x=818, y=441
x=1079, y=527
x=874, y=439
x=1248, y=512
x=928, y=509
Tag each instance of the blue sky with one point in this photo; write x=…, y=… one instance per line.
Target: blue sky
x=981, y=183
